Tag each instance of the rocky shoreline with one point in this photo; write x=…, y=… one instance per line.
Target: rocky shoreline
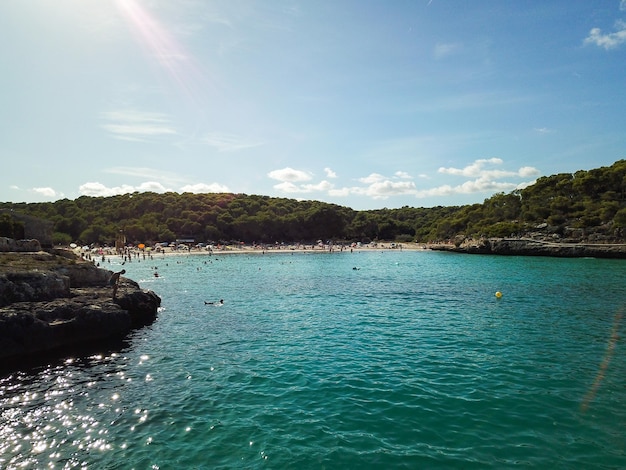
x=531, y=247
x=53, y=303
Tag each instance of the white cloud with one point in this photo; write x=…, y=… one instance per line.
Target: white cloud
x=610, y=40
x=228, y=142
x=330, y=173
x=527, y=171
x=479, y=170
x=484, y=185
x=387, y=188
x=475, y=169
x=96, y=189
x=136, y=125
x=321, y=186
x=289, y=187
x=485, y=179
x=482, y=176
x=201, y=188
x=152, y=186
x=372, y=178
x=47, y=192
x=469, y=187
x=378, y=186
x=622, y=5
x=290, y=175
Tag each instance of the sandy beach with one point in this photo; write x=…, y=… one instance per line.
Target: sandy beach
x=133, y=251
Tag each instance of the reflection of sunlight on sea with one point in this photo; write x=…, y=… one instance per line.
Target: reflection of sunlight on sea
x=409, y=360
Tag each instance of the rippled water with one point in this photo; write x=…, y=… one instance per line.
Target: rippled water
x=407, y=361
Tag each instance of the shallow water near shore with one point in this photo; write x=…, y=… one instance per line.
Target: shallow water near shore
x=368, y=359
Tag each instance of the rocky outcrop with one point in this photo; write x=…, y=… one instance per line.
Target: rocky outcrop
x=51, y=304
x=530, y=247
x=9, y=244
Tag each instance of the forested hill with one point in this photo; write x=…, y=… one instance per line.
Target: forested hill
x=584, y=206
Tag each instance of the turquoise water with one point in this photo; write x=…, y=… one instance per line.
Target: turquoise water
x=408, y=361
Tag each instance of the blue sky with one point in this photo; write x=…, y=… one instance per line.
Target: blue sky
x=366, y=104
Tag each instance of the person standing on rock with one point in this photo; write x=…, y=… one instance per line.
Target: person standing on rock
x=114, y=281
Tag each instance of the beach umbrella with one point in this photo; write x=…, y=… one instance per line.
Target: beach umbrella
x=141, y=246
x=73, y=245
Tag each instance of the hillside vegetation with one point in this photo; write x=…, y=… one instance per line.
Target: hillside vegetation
x=584, y=206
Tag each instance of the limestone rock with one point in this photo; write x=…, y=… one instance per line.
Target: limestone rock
x=32, y=286
x=530, y=247
x=9, y=244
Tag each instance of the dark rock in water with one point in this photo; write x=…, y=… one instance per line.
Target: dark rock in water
x=48, y=307
x=35, y=328
x=140, y=304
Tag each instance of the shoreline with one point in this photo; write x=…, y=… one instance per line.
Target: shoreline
x=227, y=250
x=489, y=246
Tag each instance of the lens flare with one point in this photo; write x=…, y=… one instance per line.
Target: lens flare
x=160, y=44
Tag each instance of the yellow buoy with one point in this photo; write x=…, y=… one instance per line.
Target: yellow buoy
x=499, y=294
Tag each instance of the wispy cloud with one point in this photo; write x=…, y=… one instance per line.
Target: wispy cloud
x=608, y=40
x=543, y=130
x=441, y=51
x=229, y=142
x=476, y=100
x=170, y=178
x=136, y=125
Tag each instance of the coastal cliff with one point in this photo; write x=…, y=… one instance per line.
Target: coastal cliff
x=530, y=247
x=53, y=302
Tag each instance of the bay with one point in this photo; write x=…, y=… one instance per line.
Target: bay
x=374, y=359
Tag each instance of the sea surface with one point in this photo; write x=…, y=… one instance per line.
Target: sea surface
x=366, y=360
